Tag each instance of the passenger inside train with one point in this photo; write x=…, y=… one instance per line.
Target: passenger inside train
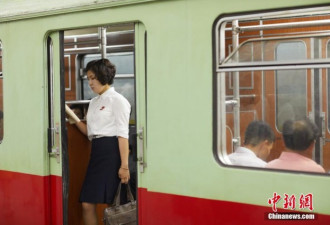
x=299, y=138
x=258, y=141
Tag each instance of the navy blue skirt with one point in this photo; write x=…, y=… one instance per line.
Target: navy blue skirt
x=101, y=181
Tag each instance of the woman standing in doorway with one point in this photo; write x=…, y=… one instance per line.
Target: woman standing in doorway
x=107, y=128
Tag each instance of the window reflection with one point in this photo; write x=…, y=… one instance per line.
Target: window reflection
x=291, y=85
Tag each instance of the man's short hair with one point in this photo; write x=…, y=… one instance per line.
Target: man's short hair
x=299, y=135
x=258, y=131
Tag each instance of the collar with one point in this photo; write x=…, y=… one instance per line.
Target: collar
x=108, y=92
x=245, y=150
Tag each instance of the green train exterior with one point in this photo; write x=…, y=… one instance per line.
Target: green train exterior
x=181, y=179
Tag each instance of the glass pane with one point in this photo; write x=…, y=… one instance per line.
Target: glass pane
x=124, y=65
x=262, y=51
x=291, y=85
x=124, y=85
x=250, y=109
x=123, y=61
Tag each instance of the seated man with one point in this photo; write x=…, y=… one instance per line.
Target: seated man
x=258, y=141
x=299, y=139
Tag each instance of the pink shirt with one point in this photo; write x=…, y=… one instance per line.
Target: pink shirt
x=295, y=161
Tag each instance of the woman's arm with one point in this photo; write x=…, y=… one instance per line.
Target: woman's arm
x=124, y=152
x=82, y=127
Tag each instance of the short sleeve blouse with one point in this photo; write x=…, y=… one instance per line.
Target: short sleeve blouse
x=108, y=115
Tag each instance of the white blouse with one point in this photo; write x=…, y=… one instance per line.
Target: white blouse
x=108, y=115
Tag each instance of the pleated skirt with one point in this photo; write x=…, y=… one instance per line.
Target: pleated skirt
x=101, y=180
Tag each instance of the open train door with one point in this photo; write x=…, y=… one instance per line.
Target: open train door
x=68, y=148
x=81, y=46
x=56, y=130
x=141, y=115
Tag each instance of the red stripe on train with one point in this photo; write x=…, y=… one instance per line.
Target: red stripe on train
x=37, y=200
x=30, y=200
x=168, y=209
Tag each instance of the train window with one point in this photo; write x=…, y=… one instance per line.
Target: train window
x=270, y=67
x=1, y=96
x=291, y=85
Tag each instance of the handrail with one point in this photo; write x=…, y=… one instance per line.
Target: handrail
x=279, y=34
x=220, y=25
x=272, y=39
x=258, y=66
x=51, y=125
x=236, y=98
x=103, y=44
x=96, y=48
x=95, y=35
x=281, y=25
x=76, y=102
x=242, y=96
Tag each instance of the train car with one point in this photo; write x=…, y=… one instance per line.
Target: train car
x=195, y=73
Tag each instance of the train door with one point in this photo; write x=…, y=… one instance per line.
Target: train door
x=124, y=45
x=141, y=114
x=56, y=130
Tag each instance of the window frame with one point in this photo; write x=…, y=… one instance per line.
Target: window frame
x=220, y=68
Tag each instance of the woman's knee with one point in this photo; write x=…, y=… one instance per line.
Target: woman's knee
x=88, y=207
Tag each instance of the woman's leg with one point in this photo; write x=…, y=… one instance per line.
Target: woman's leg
x=89, y=213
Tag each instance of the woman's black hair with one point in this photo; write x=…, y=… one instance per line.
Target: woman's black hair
x=103, y=69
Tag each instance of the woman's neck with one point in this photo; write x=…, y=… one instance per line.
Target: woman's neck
x=105, y=88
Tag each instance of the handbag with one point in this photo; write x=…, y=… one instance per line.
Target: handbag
x=121, y=214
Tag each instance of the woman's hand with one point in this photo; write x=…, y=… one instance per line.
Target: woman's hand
x=123, y=172
x=124, y=175
x=73, y=118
